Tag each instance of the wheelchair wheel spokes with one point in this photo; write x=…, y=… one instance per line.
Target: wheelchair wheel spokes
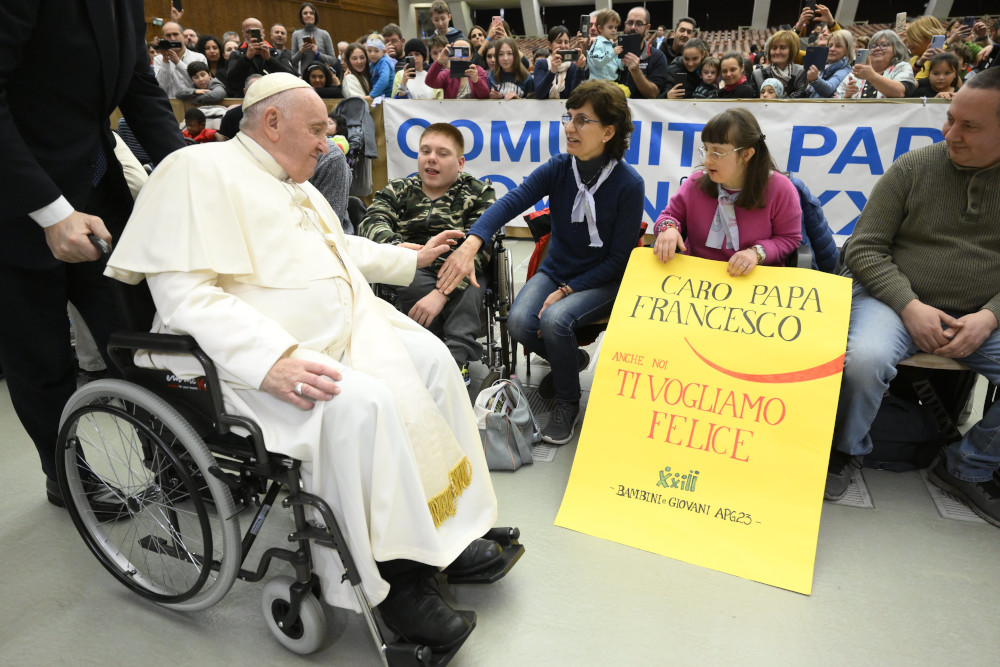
x=134, y=475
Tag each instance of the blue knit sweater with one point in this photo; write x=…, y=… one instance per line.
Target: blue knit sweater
x=382, y=75
x=571, y=259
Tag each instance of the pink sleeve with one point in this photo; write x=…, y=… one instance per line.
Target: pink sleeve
x=434, y=77
x=480, y=90
x=786, y=220
x=677, y=206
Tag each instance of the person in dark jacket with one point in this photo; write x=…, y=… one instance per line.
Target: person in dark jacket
x=684, y=73
x=816, y=231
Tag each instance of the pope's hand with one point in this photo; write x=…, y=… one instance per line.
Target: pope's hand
x=437, y=246
x=68, y=239
x=314, y=381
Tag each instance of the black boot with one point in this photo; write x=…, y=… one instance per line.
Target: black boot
x=477, y=556
x=416, y=611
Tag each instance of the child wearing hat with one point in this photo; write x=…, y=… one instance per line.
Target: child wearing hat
x=380, y=65
x=410, y=82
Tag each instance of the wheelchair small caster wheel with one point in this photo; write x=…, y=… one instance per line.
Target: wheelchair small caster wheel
x=306, y=633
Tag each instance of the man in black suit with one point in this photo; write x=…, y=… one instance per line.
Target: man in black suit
x=60, y=183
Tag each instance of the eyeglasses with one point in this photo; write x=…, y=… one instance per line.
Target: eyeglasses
x=716, y=155
x=634, y=24
x=579, y=121
x=881, y=46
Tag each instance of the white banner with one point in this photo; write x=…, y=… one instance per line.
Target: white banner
x=838, y=149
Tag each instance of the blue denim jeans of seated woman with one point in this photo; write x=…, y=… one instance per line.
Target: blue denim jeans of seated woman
x=558, y=325
x=876, y=341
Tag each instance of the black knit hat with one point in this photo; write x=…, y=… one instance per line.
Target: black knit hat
x=415, y=45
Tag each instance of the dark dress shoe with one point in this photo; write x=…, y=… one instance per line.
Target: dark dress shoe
x=479, y=555
x=416, y=611
x=53, y=492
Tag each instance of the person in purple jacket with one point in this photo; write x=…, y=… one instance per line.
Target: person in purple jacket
x=739, y=209
x=595, y=203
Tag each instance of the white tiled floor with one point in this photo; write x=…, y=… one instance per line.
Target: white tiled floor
x=894, y=585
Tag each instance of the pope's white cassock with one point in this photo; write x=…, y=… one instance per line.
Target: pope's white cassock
x=252, y=265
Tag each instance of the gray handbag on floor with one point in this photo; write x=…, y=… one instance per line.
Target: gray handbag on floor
x=509, y=436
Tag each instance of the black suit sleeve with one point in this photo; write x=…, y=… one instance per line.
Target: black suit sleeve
x=26, y=185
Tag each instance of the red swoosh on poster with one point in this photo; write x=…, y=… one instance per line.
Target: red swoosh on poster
x=816, y=372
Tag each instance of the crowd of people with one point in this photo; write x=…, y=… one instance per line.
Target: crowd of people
x=815, y=58
x=275, y=288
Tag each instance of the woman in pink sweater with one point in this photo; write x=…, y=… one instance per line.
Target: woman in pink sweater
x=739, y=208
x=471, y=85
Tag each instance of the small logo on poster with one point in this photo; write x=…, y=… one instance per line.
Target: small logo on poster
x=678, y=481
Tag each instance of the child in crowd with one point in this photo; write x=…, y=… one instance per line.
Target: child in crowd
x=604, y=55
x=336, y=130
x=194, y=127
x=965, y=57
x=381, y=67
x=942, y=80
x=441, y=18
x=541, y=53
x=735, y=85
x=509, y=79
x=411, y=82
x=436, y=44
x=207, y=90
x=709, y=86
x=490, y=57
x=772, y=89
x=684, y=73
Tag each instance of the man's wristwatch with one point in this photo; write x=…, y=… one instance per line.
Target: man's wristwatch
x=761, y=254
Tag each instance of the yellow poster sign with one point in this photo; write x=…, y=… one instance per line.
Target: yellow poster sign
x=710, y=418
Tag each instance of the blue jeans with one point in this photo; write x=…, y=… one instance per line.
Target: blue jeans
x=558, y=325
x=876, y=341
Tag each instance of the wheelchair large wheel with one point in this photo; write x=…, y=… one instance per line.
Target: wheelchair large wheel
x=136, y=481
x=306, y=633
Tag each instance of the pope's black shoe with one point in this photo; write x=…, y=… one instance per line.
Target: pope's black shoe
x=479, y=555
x=416, y=611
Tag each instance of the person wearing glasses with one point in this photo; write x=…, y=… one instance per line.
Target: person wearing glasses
x=886, y=74
x=595, y=202
x=645, y=75
x=739, y=209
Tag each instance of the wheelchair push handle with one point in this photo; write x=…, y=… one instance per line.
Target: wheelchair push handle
x=103, y=246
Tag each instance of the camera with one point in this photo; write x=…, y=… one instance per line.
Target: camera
x=166, y=44
x=568, y=54
x=458, y=51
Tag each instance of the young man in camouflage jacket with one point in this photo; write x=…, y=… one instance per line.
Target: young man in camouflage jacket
x=412, y=210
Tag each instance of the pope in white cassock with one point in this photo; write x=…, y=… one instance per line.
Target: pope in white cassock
x=246, y=256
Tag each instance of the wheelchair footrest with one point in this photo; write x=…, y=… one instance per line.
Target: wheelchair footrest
x=402, y=654
x=507, y=538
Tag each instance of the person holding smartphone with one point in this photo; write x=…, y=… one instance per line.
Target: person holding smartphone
x=447, y=74
x=556, y=76
x=311, y=43
x=925, y=37
x=411, y=81
x=255, y=56
x=886, y=73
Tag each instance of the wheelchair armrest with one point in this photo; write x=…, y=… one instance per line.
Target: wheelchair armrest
x=801, y=258
x=144, y=340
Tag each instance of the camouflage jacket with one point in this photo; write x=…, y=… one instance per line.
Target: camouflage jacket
x=402, y=213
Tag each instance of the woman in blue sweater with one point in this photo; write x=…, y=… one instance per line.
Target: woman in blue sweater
x=595, y=202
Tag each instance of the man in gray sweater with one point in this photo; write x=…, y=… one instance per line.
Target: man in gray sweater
x=925, y=257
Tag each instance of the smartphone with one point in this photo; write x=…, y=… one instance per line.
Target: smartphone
x=937, y=41
x=177, y=5
x=458, y=52
x=569, y=55
x=584, y=24
x=309, y=40
x=862, y=58
x=969, y=21
x=900, y=23
x=255, y=34
x=458, y=68
x=811, y=4
x=411, y=62
x=497, y=19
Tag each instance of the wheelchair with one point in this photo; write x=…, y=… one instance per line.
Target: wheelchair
x=156, y=474
x=499, y=355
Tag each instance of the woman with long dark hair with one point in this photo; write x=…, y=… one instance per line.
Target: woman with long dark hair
x=738, y=208
x=310, y=42
x=357, y=78
x=211, y=48
x=556, y=78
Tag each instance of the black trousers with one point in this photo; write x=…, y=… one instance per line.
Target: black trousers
x=35, y=350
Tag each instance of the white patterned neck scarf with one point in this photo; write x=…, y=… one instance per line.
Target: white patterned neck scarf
x=724, y=224
x=584, y=206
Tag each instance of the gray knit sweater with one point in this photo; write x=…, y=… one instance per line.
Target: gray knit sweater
x=931, y=231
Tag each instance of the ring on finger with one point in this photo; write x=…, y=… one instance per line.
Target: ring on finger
x=298, y=388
